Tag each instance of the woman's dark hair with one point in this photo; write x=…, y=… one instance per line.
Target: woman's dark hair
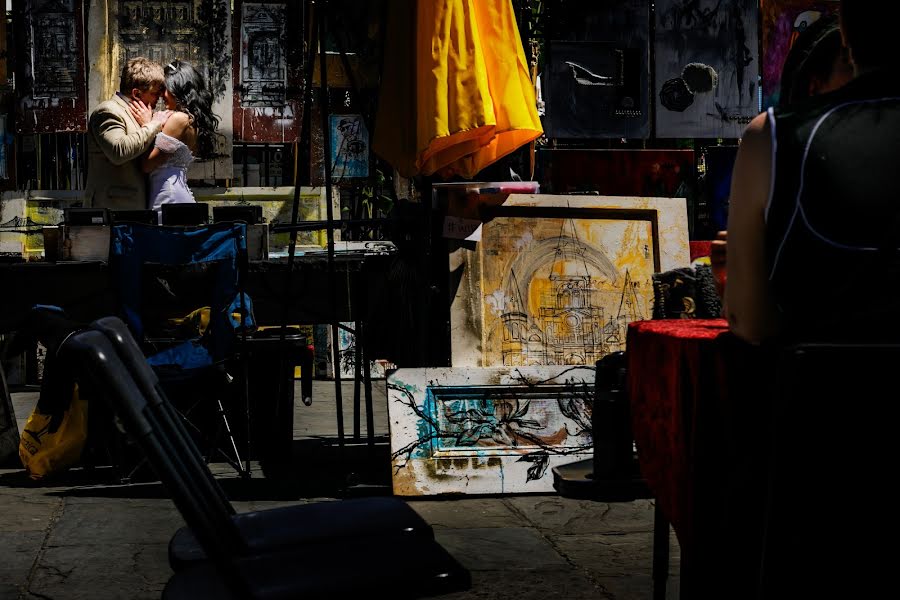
x=870, y=30
x=812, y=56
x=192, y=96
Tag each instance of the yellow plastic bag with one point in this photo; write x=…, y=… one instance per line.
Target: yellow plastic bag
x=45, y=452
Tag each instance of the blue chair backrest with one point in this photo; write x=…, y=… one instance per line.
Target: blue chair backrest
x=135, y=245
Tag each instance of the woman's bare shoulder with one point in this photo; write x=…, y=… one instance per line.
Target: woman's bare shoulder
x=177, y=123
x=758, y=131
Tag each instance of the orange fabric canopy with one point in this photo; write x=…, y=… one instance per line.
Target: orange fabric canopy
x=463, y=87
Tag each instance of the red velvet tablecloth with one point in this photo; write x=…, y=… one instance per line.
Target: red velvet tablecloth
x=676, y=375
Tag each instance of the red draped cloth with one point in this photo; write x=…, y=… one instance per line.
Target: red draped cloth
x=672, y=365
x=698, y=410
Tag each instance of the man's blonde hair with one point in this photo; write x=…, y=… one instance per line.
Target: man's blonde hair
x=141, y=73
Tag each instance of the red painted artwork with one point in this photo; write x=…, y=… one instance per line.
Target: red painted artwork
x=645, y=173
x=51, y=85
x=268, y=73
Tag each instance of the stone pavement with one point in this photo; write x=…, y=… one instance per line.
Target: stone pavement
x=81, y=537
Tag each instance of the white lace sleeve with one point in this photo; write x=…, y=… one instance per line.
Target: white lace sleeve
x=167, y=144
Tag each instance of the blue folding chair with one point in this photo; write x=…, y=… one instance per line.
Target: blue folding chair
x=161, y=276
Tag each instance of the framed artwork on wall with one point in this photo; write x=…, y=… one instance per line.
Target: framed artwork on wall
x=707, y=67
x=597, y=80
x=487, y=431
x=267, y=71
x=51, y=84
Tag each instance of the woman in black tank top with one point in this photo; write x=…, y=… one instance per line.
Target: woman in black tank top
x=814, y=223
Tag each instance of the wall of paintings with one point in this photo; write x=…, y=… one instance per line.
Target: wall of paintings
x=650, y=99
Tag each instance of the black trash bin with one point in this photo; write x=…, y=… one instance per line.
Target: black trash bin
x=270, y=388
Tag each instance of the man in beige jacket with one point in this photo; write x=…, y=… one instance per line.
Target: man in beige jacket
x=117, y=139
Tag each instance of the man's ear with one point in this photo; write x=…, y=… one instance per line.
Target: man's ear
x=135, y=94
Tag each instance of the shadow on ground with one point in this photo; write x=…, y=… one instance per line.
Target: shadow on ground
x=318, y=467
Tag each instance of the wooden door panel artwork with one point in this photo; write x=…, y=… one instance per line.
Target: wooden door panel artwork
x=267, y=72
x=487, y=431
x=555, y=280
x=197, y=31
x=51, y=80
x=707, y=66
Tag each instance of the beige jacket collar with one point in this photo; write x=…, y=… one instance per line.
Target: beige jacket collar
x=123, y=102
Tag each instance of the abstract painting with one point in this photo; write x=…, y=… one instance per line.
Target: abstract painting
x=487, y=431
x=707, y=67
x=196, y=31
x=51, y=86
x=782, y=22
x=555, y=280
x=267, y=72
x=597, y=80
x=647, y=173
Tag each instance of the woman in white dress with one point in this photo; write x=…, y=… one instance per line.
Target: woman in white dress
x=189, y=131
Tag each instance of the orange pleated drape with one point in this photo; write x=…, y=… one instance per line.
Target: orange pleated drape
x=470, y=100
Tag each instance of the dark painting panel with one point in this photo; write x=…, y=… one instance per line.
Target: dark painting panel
x=707, y=67
x=644, y=173
x=51, y=91
x=267, y=71
x=597, y=86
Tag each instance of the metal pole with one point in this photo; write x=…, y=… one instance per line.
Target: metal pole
x=332, y=292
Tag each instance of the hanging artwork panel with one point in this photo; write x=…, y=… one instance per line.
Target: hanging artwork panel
x=268, y=73
x=51, y=84
x=707, y=67
x=349, y=147
x=782, y=22
x=487, y=431
x=555, y=280
x=598, y=85
x=196, y=31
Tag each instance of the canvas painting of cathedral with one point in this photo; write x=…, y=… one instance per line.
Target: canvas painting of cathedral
x=555, y=279
x=562, y=291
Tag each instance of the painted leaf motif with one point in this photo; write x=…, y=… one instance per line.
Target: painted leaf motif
x=528, y=424
x=472, y=415
x=577, y=410
x=501, y=436
x=470, y=436
x=541, y=461
x=521, y=410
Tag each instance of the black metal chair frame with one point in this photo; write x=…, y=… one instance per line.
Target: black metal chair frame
x=304, y=548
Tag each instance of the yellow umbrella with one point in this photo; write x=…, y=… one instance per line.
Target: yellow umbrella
x=470, y=98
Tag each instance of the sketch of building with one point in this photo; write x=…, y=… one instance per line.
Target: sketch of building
x=263, y=66
x=54, y=52
x=571, y=325
x=161, y=30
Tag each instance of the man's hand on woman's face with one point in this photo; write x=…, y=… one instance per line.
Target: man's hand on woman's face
x=141, y=112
